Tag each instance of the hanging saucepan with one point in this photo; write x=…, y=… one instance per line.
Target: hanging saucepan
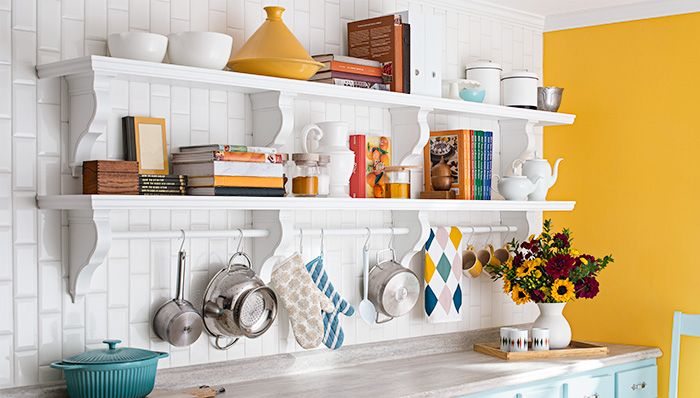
x=393, y=288
x=237, y=303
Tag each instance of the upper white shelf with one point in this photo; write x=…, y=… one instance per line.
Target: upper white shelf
x=151, y=72
x=135, y=202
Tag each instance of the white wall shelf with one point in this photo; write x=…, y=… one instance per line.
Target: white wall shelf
x=90, y=232
x=272, y=100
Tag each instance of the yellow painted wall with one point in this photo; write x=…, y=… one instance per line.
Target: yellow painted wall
x=632, y=163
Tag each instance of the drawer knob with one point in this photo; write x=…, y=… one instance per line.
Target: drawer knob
x=639, y=386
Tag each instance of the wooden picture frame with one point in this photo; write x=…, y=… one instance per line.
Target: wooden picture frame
x=145, y=142
x=457, y=154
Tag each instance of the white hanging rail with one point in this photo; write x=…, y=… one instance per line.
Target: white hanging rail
x=350, y=231
x=480, y=229
x=176, y=234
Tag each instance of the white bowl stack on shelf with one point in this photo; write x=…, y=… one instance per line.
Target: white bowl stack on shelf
x=208, y=50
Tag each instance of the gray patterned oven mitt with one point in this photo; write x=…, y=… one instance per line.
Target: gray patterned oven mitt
x=302, y=299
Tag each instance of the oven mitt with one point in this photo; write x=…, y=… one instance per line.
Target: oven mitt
x=302, y=299
x=333, y=333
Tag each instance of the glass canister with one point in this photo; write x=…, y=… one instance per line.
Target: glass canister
x=398, y=184
x=324, y=175
x=305, y=180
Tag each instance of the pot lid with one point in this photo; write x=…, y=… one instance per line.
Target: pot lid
x=305, y=158
x=400, y=293
x=520, y=74
x=324, y=159
x=483, y=64
x=112, y=355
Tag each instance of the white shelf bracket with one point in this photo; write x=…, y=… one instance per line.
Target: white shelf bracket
x=411, y=125
x=90, y=107
x=90, y=238
x=273, y=118
x=407, y=246
x=521, y=143
x=280, y=243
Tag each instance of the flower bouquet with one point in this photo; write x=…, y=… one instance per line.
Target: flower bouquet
x=546, y=269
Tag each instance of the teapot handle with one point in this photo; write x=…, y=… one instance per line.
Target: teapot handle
x=305, y=133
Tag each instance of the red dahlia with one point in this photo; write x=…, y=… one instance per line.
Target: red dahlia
x=559, y=266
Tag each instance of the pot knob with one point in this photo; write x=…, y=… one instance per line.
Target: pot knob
x=401, y=294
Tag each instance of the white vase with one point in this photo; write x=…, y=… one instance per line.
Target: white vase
x=552, y=318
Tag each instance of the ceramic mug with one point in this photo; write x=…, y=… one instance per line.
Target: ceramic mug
x=329, y=137
x=471, y=263
x=518, y=340
x=499, y=256
x=505, y=338
x=540, y=339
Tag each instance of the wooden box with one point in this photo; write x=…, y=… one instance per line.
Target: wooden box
x=575, y=349
x=110, y=177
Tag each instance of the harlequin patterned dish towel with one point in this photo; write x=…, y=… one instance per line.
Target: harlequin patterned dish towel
x=443, y=275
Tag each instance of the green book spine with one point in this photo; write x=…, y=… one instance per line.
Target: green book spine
x=478, y=136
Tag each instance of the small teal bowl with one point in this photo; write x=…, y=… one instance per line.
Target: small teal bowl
x=472, y=94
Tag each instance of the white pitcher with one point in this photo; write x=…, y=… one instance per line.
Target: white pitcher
x=332, y=138
x=538, y=168
x=328, y=137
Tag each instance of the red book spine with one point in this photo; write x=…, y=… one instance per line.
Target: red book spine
x=357, y=180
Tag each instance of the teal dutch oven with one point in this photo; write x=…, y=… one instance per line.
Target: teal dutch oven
x=115, y=372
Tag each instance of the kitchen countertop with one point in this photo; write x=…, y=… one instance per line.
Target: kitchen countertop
x=439, y=375
x=429, y=366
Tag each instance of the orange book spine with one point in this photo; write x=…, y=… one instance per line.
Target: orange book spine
x=356, y=69
x=397, y=64
x=241, y=156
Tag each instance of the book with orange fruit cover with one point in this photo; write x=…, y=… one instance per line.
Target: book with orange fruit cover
x=372, y=154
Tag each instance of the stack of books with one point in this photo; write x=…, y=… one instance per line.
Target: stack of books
x=160, y=184
x=110, y=177
x=231, y=170
x=350, y=71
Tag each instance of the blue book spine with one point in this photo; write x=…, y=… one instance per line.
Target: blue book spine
x=489, y=163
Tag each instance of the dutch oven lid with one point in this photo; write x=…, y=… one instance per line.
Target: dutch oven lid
x=111, y=355
x=400, y=292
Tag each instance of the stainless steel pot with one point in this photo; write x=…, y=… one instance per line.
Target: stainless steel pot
x=237, y=303
x=393, y=289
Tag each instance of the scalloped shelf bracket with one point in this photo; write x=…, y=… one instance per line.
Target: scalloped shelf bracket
x=90, y=238
x=407, y=246
x=280, y=243
x=273, y=117
x=520, y=136
x=411, y=124
x=90, y=107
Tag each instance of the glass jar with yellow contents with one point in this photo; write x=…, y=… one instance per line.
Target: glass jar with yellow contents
x=398, y=185
x=305, y=180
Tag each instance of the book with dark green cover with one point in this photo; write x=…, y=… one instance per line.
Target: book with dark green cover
x=236, y=191
x=478, y=175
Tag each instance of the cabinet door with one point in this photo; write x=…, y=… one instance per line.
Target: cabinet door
x=636, y=383
x=545, y=391
x=591, y=387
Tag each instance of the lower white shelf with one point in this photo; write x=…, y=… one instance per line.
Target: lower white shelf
x=136, y=202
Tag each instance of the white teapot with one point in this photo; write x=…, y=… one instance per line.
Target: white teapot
x=517, y=187
x=538, y=168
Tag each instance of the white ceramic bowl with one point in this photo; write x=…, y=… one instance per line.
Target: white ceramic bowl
x=142, y=46
x=202, y=49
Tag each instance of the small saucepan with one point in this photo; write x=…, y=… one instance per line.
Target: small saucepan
x=393, y=288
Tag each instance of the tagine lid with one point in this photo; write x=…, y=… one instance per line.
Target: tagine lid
x=273, y=40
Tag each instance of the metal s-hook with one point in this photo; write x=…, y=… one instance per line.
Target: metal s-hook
x=369, y=236
x=391, y=239
x=240, y=240
x=182, y=239
x=301, y=240
x=323, y=249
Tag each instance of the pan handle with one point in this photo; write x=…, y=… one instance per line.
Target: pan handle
x=218, y=345
x=239, y=254
x=385, y=320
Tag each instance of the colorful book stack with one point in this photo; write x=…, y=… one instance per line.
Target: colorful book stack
x=469, y=153
x=161, y=184
x=231, y=170
x=350, y=71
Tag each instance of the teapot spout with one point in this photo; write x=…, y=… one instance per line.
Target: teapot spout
x=555, y=172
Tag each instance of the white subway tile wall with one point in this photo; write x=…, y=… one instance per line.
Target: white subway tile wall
x=40, y=324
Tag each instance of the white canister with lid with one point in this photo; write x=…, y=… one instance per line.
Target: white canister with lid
x=520, y=89
x=489, y=75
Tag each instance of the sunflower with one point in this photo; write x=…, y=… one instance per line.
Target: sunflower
x=528, y=268
x=563, y=290
x=520, y=296
x=506, y=286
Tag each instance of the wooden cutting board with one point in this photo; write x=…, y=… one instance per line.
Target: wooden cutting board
x=575, y=349
x=201, y=392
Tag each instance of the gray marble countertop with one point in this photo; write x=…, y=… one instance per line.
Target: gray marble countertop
x=431, y=366
x=438, y=375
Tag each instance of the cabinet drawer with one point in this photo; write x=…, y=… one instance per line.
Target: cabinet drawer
x=553, y=391
x=636, y=383
x=591, y=387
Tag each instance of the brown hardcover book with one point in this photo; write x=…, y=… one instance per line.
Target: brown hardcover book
x=380, y=39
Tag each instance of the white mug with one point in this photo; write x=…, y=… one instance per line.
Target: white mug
x=329, y=137
x=505, y=338
x=540, y=339
x=518, y=340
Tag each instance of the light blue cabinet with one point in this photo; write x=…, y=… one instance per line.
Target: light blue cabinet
x=630, y=380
